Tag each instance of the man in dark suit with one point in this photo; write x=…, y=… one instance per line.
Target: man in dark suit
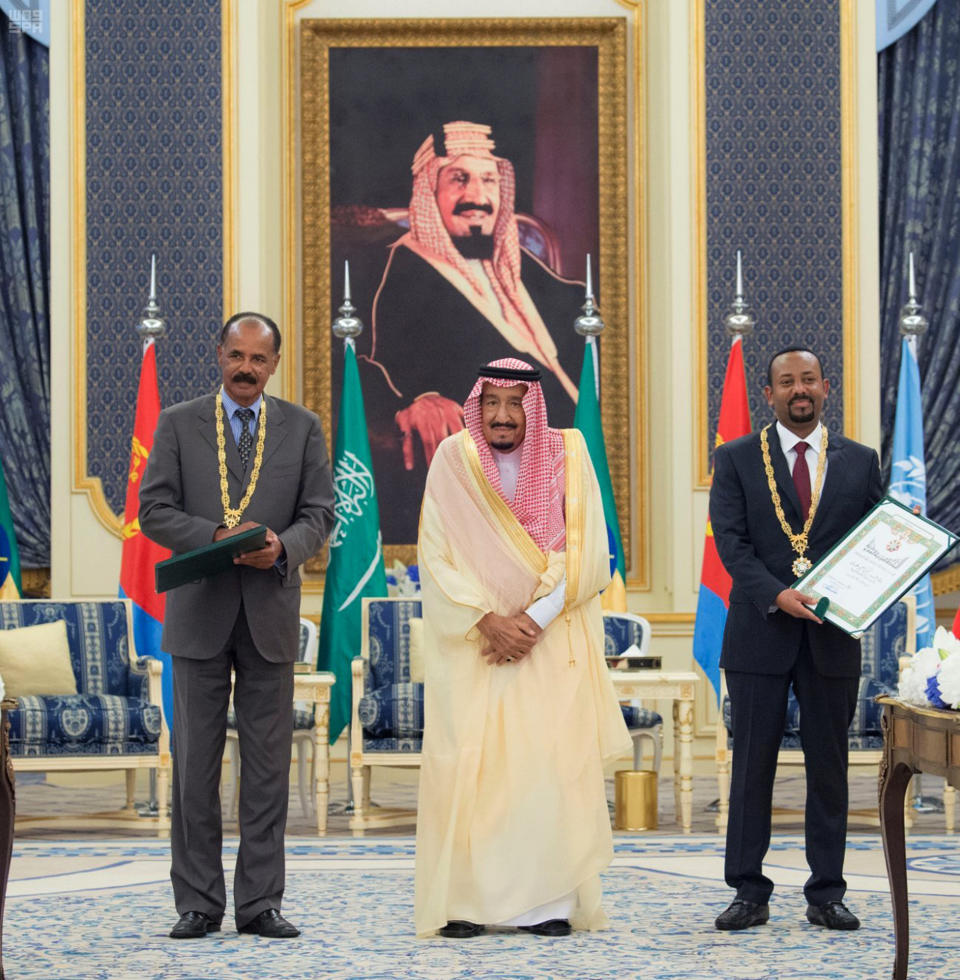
x=219, y=460
x=793, y=478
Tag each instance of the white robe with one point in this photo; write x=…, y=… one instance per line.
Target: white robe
x=512, y=813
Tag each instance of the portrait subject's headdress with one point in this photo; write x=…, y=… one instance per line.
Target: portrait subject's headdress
x=538, y=501
x=455, y=139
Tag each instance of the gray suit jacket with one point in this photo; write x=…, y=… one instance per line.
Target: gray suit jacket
x=181, y=508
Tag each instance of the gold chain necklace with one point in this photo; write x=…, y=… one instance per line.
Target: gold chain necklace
x=231, y=515
x=801, y=564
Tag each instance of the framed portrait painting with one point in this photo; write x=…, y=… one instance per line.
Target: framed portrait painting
x=464, y=169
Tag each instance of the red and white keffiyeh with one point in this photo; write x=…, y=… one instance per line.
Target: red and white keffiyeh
x=538, y=501
x=427, y=228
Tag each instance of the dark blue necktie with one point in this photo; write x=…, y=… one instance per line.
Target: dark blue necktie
x=245, y=442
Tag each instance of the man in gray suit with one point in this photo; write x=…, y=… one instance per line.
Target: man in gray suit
x=220, y=464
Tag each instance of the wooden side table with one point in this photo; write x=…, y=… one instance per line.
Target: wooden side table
x=914, y=740
x=315, y=687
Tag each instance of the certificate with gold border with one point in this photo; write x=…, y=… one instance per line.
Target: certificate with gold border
x=880, y=559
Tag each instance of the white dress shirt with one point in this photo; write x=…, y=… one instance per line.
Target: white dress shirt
x=545, y=610
x=788, y=443
x=230, y=410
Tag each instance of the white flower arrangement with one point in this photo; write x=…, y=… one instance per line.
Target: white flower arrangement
x=932, y=678
x=403, y=581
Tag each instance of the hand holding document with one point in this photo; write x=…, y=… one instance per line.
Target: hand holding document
x=867, y=571
x=208, y=560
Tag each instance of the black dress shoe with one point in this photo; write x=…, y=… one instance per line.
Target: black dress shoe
x=194, y=925
x=833, y=915
x=271, y=925
x=741, y=915
x=551, y=927
x=460, y=929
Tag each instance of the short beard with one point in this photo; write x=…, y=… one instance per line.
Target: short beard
x=475, y=246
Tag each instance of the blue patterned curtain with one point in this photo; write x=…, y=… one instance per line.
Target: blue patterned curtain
x=25, y=288
x=919, y=94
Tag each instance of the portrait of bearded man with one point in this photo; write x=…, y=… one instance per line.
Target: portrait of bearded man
x=457, y=286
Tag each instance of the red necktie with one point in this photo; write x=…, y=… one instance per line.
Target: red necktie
x=801, y=478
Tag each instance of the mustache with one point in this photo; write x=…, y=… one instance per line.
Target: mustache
x=243, y=378
x=800, y=398
x=462, y=206
x=503, y=425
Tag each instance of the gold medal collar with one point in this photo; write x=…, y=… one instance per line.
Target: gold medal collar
x=799, y=542
x=232, y=515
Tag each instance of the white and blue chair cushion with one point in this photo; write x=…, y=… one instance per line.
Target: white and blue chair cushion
x=111, y=713
x=620, y=632
x=391, y=707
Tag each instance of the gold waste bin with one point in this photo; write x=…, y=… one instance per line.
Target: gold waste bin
x=635, y=799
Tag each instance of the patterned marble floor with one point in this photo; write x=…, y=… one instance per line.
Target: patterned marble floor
x=97, y=905
x=101, y=909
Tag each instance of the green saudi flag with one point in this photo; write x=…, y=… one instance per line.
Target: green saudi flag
x=9, y=556
x=355, y=568
x=587, y=420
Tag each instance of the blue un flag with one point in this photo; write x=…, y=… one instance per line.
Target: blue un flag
x=908, y=472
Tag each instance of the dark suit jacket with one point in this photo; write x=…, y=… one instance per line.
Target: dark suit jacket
x=758, y=555
x=181, y=508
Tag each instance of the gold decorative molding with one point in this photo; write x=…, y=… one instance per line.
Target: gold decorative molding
x=850, y=216
x=35, y=582
x=849, y=228
x=83, y=482
x=228, y=137
x=698, y=135
x=307, y=295
x=686, y=618
x=639, y=511
x=946, y=581
x=291, y=256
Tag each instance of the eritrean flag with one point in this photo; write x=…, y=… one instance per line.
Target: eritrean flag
x=587, y=420
x=140, y=554
x=714, y=599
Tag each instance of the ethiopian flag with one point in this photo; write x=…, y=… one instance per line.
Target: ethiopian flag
x=9, y=556
x=587, y=420
x=355, y=568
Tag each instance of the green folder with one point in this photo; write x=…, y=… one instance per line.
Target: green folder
x=208, y=560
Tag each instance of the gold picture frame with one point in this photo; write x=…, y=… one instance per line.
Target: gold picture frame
x=318, y=296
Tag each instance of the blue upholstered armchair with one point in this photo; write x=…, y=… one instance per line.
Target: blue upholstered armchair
x=892, y=636
x=114, y=721
x=386, y=727
x=622, y=631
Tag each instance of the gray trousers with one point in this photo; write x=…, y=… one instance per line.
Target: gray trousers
x=263, y=701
